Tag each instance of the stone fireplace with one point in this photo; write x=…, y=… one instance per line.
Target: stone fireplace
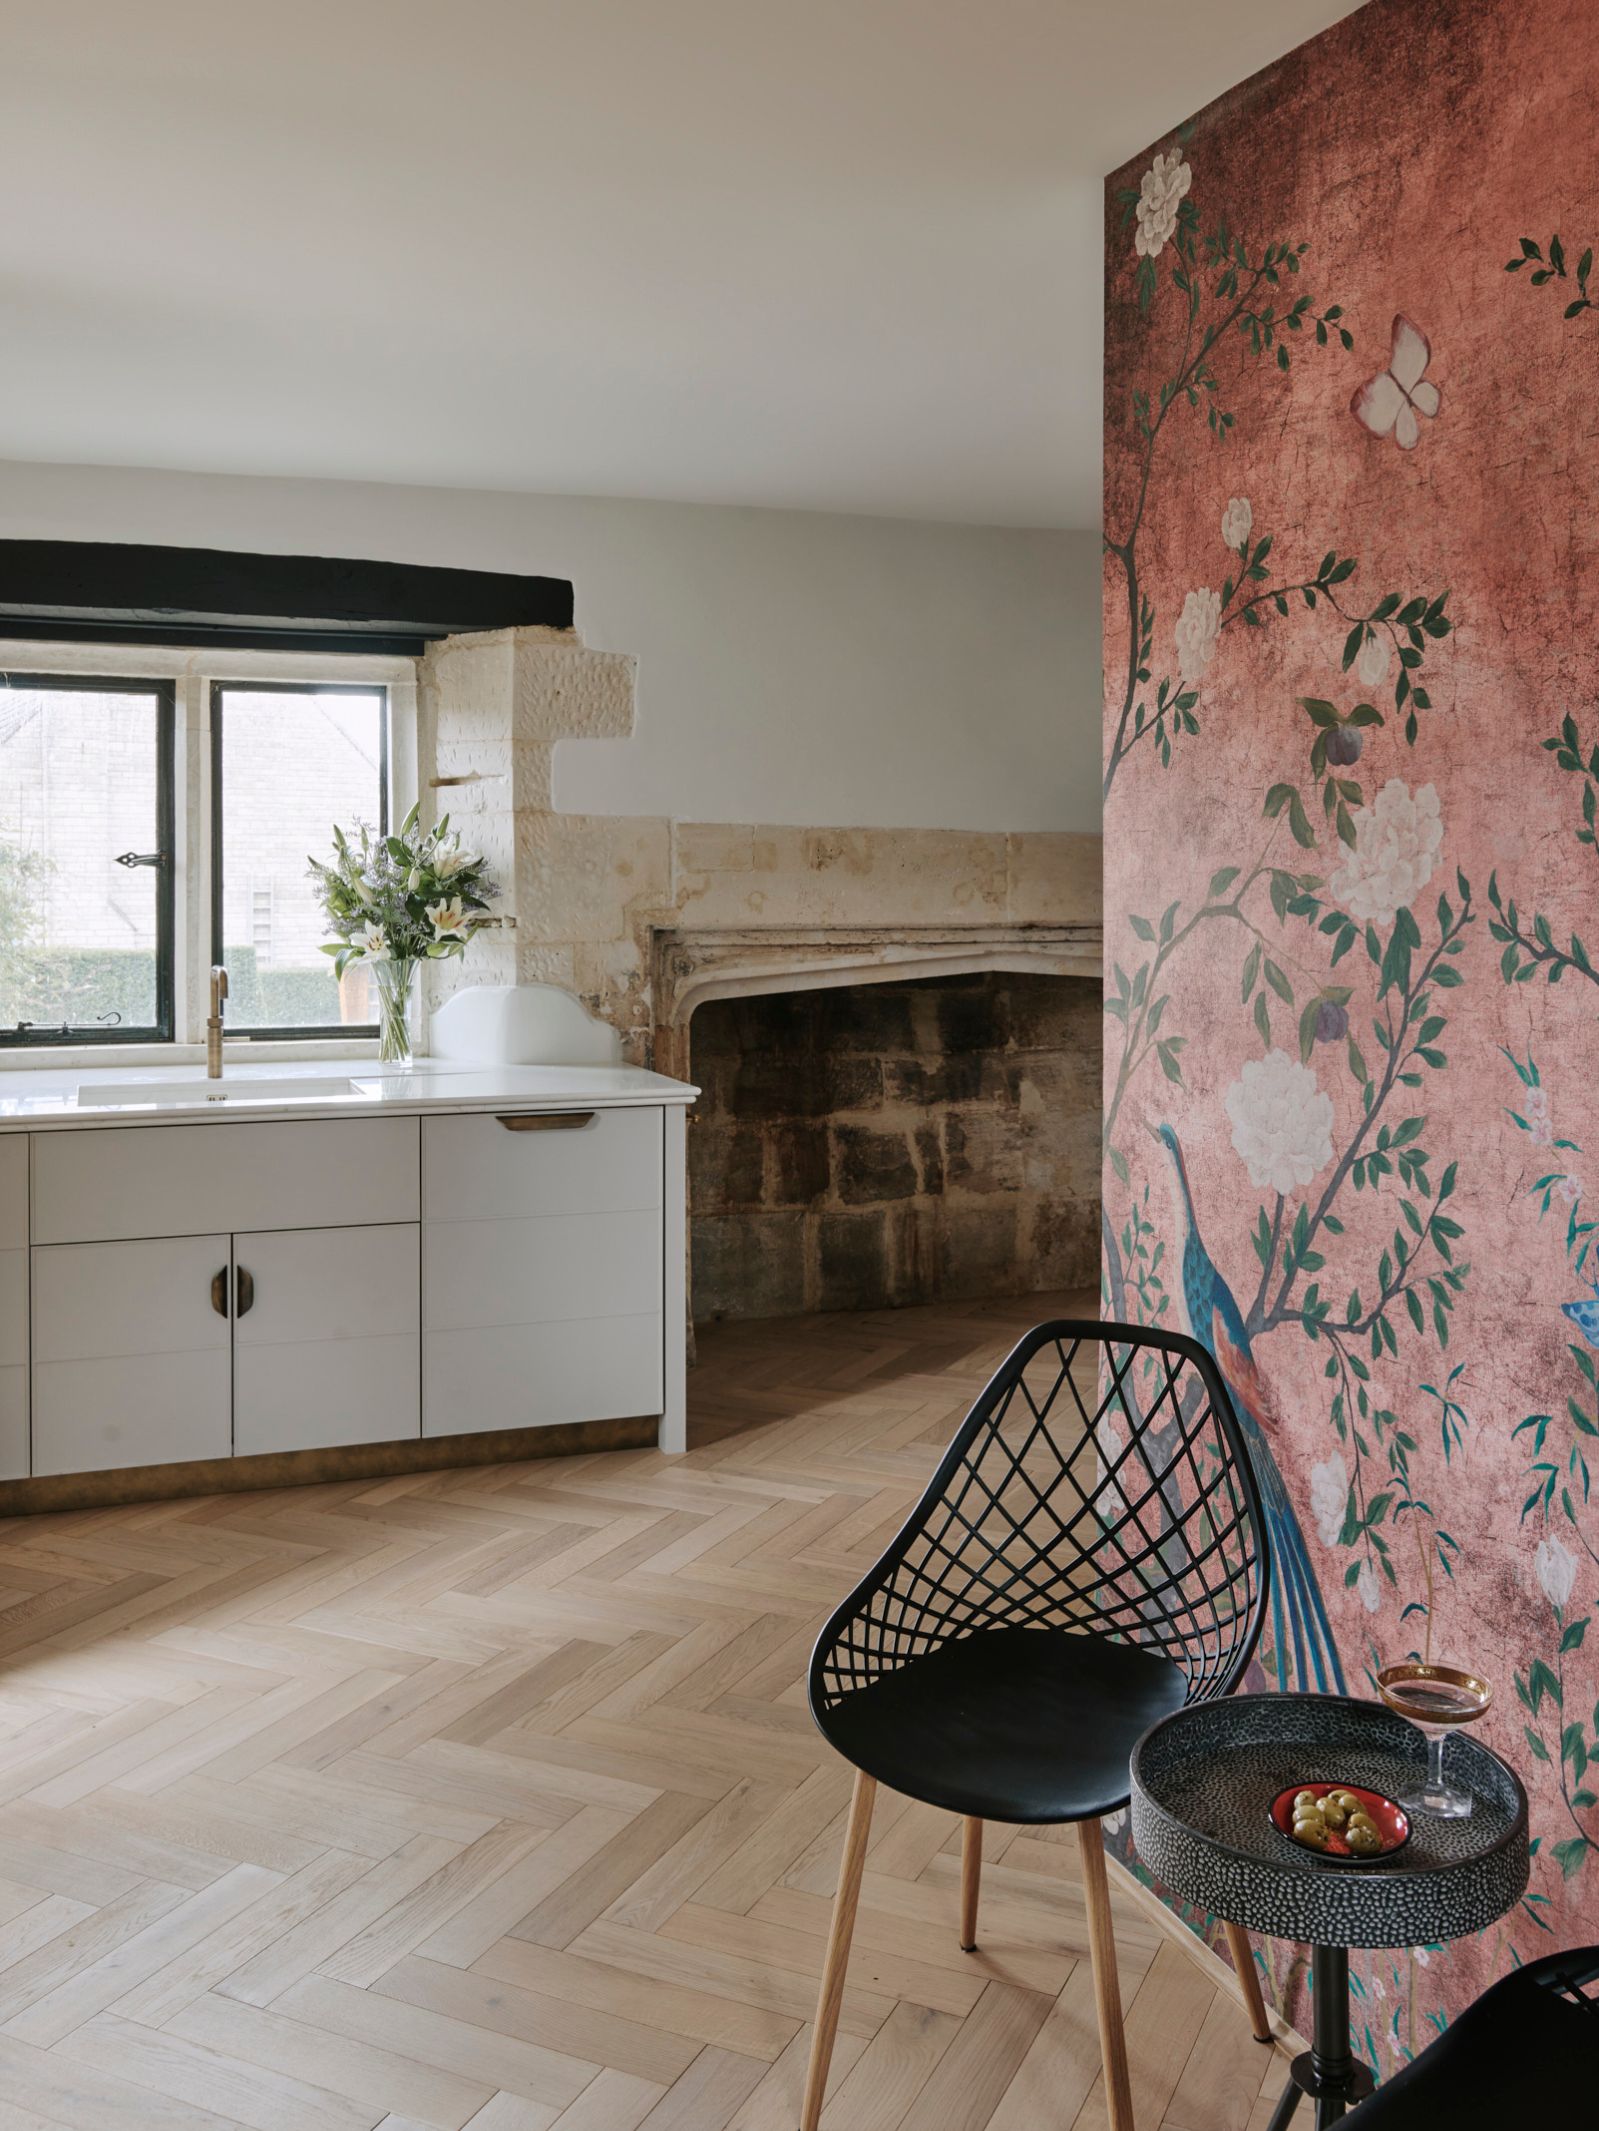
x=896, y=1028
x=868, y=1146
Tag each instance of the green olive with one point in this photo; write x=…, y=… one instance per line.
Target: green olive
x=1365, y=1842
x=1303, y=1798
x=1360, y=1818
x=1349, y=1802
x=1311, y=1834
x=1333, y=1812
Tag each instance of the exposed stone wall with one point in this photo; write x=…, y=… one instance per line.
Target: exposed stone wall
x=883, y=1144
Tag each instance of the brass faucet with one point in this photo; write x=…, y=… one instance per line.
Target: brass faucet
x=213, y=1027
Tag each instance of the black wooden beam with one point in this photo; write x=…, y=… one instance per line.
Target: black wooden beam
x=92, y=591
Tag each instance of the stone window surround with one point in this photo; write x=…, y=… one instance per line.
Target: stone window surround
x=193, y=670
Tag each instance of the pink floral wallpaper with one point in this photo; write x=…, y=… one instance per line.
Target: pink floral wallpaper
x=1351, y=764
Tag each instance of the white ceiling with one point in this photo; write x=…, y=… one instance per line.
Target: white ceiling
x=836, y=254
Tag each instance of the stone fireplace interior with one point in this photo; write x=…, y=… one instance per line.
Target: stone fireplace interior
x=877, y=1144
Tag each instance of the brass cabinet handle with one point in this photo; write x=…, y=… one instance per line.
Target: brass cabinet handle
x=548, y=1121
x=244, y=1292
x=219, y=1292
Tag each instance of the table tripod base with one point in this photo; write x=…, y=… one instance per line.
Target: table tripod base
x=1327, y=2071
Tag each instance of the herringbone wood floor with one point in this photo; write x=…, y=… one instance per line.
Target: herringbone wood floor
x=490, y=1799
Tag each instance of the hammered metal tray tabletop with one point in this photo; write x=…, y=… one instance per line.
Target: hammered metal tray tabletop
x=1204, y=1778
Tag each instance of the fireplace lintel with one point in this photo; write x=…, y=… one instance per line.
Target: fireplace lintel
x=690, y=964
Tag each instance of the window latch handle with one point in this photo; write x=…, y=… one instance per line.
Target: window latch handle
x=143, y=858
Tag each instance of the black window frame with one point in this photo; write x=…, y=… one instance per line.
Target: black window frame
x=57, y=1035
x=324, y=1032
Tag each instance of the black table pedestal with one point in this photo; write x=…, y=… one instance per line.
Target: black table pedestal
x=1328, y=2071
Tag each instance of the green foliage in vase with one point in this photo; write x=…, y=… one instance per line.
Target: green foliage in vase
x=399, y=898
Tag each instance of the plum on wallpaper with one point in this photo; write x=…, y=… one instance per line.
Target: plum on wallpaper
x=1351, y=777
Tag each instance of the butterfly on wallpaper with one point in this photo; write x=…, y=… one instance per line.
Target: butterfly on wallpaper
x=1585, y=1316
x=1391, y=401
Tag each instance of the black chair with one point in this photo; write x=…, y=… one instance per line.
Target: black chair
x=1527, y=2051
x=1078, y=1567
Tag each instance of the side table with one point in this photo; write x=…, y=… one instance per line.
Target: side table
x=1202, y=1782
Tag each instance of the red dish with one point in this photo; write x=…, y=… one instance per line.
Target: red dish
x=1391, y=1820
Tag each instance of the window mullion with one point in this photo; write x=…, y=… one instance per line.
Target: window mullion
x=194, y=858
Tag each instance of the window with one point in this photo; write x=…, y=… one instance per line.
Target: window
x=86, y=860
x=156, y=821
x=286, y=764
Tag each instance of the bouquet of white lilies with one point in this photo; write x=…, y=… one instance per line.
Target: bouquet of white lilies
x=418, y=893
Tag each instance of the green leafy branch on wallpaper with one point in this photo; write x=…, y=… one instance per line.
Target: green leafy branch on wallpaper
x=1563, y=1480
x=1542, y=1692
x=1529, y=942
x=1419, y=1263
x=1391, y=636
x=1552, y=267
x=1406, y=623
x=1417, y=1268
x=1560, y=1472
x=1227, y=296
x=1559, y=1181
x=1173, y=714
x=1137, y=1000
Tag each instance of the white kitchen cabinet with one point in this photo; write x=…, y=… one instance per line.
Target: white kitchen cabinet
x=327, y=1340
x=468, y=1252
x=541, y=1269
x=132, y=1354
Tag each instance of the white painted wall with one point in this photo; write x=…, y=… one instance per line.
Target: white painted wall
x=794, y=667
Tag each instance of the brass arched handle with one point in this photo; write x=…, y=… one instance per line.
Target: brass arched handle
x=244, y=1301
x=219, y=1292
x=548, y=1121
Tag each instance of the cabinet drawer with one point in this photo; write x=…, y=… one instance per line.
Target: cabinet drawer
x=538, y=1375
x=131, y=1362
x=13, y=1191
x=13, y=1308
x=534, y=1271
x=479, y=1169
x=189, y=1180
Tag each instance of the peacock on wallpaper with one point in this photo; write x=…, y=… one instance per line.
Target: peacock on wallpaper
x=1352, y=885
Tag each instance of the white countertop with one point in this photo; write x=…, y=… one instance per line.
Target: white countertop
x=161, y=1095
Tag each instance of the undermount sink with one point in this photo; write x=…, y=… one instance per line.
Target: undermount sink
x=142, y=1094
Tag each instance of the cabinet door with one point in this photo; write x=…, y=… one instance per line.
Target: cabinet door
x=13, y=1364
x=131, y=1358
x=327, y=1344
x=541, y=1270
x=13, y=1191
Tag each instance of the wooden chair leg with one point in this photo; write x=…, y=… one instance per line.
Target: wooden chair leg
x=1107, y=1990
x=1248, y=1981
x=845, y=1903
x=971, y=1880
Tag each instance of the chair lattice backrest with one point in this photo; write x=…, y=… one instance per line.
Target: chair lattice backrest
x=1100, y=1485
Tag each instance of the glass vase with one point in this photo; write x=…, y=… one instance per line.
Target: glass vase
x=394, y=979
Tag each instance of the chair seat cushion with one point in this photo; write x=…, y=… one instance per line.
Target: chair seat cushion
x=1019, y=1724
x=1523, y=2052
